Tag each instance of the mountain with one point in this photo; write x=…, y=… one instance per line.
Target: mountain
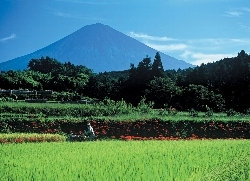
x=98, y=47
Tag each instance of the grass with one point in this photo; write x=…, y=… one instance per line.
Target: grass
x=127, y=160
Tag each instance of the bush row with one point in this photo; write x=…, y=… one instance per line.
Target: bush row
x=106, y=107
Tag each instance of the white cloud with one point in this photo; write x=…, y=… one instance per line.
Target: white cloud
x=238, y=12
x=246, y=9
x=212, y=41
x=241, y=41
x=148, y=37
x=186, y=54
x=233, y=14
x=194, y=51
x=167, y=48
x=199, y=58
x=243, y=26
x=65, y=15
x=12, y=36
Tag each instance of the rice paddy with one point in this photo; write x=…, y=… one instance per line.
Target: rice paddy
x=127, y=160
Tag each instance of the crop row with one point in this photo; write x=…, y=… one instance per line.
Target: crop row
x=105, y=108
x=118, y=110
x=29, y=138
x=143, y=129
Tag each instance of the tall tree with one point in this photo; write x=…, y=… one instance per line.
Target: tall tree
x=144, y=70
x=138, y=78
x=157, y=67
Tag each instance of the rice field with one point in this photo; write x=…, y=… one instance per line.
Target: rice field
x=30, y=137
x=126, y=160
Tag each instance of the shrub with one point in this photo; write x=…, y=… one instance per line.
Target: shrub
x=231, y=112
x=144, y=107
x=193, y=113
x=209, y=111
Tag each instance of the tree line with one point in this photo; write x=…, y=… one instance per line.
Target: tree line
x=220, y=85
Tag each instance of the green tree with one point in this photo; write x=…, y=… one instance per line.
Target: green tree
x=157, y=67
x=11, y=79
x=137, y=82
x=163, y=91
x=100, y=86
x=198, y=96
x=44, y=65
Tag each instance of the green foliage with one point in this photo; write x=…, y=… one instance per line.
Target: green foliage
x=163, y=91
x=168, y=111
x=65, y=96
x=136, y=85
x=118, y=110
x=107, y=107
x=44, y=65
x=157, y=67
x=146, y=71
x=5, y=128
x=144, y=107
x=247, y=112
x=209, y=111
x=112, y=107
x=193, y=113
x=172, y=111
x=6, y=99
x=196, y=96
x=101, y=86
x=231, y=112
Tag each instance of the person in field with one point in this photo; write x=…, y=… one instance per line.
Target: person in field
x=90, y=132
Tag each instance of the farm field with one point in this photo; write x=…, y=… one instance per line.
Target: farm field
x=127, y=160
x=117, y=119
x=118, y=111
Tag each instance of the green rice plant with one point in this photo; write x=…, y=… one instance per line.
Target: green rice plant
x=125, y=160
x=232, y=169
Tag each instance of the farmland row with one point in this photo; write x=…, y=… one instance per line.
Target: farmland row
x=119, y=110
x=141, y=128
x=30, y=138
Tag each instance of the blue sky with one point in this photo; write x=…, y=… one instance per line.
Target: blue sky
x=196, y=31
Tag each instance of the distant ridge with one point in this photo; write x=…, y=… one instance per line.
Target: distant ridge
x=98, y=47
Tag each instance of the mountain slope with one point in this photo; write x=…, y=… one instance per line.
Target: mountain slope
x=98, y=47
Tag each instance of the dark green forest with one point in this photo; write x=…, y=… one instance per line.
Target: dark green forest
x=221, y=85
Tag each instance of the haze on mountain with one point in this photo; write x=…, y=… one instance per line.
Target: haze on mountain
x=98, y=47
